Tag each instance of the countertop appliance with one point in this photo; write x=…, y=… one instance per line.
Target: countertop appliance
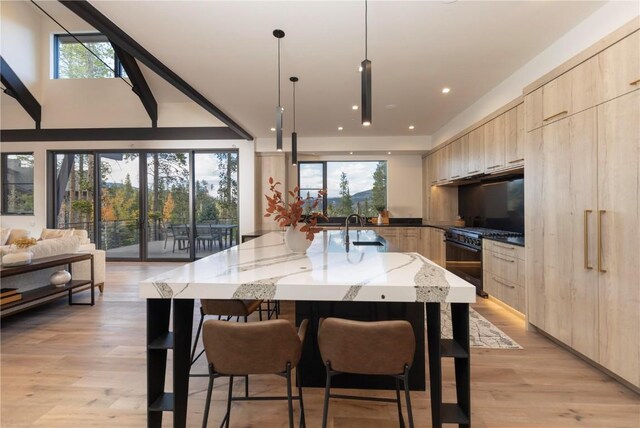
x=464, y=252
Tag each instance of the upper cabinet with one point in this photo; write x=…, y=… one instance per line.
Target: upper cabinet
x=475, y=152
x=494, y=143
x=457, y=158
x=611, y=73
x=514, y=131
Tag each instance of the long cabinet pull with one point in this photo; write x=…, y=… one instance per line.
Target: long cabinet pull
x=503, y=246
x=455, y=176
x=556, y=115
x=494, y=166
x=516, y=160
x=600, y=268
x=473, y=172
x=635, y=82
x=586, y=239
x=502, y=258
x=503, y=283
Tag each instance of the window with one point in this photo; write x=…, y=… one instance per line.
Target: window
x=72, y=60
x=17, y=183
x=359, y=186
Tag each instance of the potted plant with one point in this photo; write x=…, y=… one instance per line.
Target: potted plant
x=301, y=229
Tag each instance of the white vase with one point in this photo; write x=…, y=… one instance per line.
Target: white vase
x=295, y=240
x=60, y=278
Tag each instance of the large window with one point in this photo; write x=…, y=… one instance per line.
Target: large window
x=17, y=183
x=72, y=60
x=352, y=186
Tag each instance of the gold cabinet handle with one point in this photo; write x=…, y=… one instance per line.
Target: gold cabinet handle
x=586, y=239
x=504, y=246
x=503, y=283
x=600, y=268
x=473, y=172
x=517, y=160
x=635, y=82
x=494, y=166
x=502, y=258
x=555, y=115
x=455, y=176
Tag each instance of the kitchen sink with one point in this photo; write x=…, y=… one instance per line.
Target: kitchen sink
x=369, y=243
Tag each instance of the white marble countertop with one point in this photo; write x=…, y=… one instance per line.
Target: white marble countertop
x=263, y=268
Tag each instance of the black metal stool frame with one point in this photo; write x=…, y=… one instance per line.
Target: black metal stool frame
x=402, y=377
x=226, y=420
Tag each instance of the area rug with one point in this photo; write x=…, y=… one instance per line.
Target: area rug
x=482, y=333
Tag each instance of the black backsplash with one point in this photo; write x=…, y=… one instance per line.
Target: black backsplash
x=496, y=204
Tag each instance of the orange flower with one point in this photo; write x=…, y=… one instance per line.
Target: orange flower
x=291, y=213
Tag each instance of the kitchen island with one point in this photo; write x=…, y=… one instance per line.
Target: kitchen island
x=330, y=271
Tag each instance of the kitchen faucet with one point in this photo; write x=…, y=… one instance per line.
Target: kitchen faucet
x=346, y=225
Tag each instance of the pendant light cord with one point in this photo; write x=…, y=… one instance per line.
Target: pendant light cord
x=366, y=29
x=279, y=73
x=294, y=106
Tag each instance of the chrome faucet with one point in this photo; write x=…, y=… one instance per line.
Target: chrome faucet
x=346, y=225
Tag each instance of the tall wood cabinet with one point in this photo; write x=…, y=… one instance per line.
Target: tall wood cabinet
x=582, y=195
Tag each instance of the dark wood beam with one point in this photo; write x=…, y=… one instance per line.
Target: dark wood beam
x=118, y=134
x=96, y=19
x=140, y=86
x=17, y=90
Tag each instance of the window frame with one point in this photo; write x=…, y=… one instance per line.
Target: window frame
x=83, y=38
x=5, y=183
x=324, y=176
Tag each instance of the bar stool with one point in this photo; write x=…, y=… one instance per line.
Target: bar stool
x=224, y=308
x=368, y=348
x=231, y=350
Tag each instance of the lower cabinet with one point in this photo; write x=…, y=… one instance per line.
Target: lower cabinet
x=503, y=273
x=432, y=244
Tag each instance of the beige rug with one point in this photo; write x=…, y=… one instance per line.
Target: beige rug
x=482, y=333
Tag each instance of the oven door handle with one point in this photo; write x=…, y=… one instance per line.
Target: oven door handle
x=464, y=247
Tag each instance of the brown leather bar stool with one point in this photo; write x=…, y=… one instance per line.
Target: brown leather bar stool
x=268, y=347
x=224, y=308
x=368, y=348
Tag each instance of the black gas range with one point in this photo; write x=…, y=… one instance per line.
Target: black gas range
x=464, y=252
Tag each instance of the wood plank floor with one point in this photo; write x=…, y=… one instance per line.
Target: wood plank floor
x=65, y=366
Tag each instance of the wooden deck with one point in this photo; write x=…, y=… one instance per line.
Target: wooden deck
x=85, y=367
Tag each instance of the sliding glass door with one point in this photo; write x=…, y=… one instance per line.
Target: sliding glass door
x=148, y=205
x=168, y=208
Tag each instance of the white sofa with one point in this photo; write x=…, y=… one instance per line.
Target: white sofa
x=77, y=242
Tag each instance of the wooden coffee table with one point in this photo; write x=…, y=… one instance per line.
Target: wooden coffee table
x=41, y=294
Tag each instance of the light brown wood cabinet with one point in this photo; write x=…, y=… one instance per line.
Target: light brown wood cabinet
x=475, y=152
x=611, y=73
x=619, y=212
x=494, y=143
x=503, y=273
x=514, y=131
x=457, y=159
x=409, y=239
x=583, y=224
x=432, y=244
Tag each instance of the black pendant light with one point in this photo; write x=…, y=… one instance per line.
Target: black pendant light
x=294, y=134
x=279, y=34
x=365, y=76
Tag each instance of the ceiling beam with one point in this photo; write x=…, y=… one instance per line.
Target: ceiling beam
x=140, y=86
x=119, y=134
x=101, y=23
x=17, y=90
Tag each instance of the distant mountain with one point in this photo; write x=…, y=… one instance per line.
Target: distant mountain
x=355, y=198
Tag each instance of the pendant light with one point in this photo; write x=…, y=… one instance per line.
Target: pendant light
x=365, y=76
x=279, y=34
x=294, y=134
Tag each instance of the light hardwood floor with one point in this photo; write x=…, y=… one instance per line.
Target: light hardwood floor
x=83, y=367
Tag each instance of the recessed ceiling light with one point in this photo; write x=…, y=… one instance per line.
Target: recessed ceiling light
x=360, y=69
x=354, y=107
x=350, y=153
x=340, y=128
x=273, y=129
x=446, y=90
x=388, y=153
x=411, y=127
x=366, y=123
x=390, y=106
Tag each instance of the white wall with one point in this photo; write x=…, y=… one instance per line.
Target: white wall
x=418, y=144
x=602, y=22
x=37, y=221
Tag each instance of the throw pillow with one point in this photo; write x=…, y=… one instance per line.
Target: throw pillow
x=4, y=235
x=54, y=247
x=56, y=233
x=16, y=234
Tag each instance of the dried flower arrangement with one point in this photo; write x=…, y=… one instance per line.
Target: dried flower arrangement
x=23, y=243
x=291, y=213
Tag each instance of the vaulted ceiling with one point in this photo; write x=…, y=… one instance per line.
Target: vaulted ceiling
x=226, y=51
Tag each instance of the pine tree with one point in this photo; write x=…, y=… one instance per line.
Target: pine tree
x=379, y=191
x=346, y=204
